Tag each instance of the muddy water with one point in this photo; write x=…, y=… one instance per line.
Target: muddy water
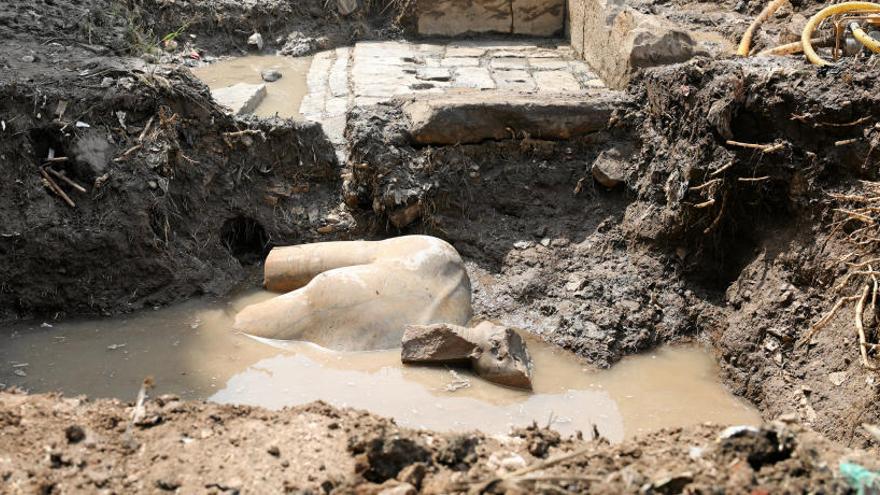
x=190, y=350
x=283, y=97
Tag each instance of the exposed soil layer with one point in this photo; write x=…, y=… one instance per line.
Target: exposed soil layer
x=56, y=445
x=177, y=202
x=707, y=238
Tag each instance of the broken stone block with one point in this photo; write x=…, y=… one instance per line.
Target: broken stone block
x=612, y=166
x=455, y=17
x=617, y=40
x=241, y=98
x=474, y=118
x=652, y=43
x=538, y=17
x=496, y=353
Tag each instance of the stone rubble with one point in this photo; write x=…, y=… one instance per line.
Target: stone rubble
x=240, y=98
x=497, y=353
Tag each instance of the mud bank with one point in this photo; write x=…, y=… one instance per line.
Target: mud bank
x=188, y=446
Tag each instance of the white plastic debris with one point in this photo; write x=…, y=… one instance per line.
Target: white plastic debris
x=82, y=125
x=256, y=40
x=737, y=431
x=113, y=347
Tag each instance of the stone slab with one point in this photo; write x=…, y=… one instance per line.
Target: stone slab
x=240, y=98
x=473, y=118
x=538, y=17
x=515, y=80
x=557, y=81
x=474, y=78
x=457, y=17
x=460, y=62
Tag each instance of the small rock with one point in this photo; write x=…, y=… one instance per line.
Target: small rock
x=545, y=242
x=28, y=59
x=522, y=245
x=74, y=434
x=271, y=75
x=413, y=474
x=256, y=41
x=346, y=7
x=837, y=378
x=152, y=184
x=673, y=484
x=168, y=484
x=612, y=166
x=107, y=82
x=695, y=452
x=511, y=462
x=274, y=451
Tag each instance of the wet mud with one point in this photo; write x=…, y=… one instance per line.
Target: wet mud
x=192, y=351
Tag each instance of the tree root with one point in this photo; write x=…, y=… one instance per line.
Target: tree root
x=863, y=212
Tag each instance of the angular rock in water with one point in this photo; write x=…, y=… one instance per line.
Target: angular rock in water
x=271, y=75
x=240, y=98
x=496, y=353
x=438, y=343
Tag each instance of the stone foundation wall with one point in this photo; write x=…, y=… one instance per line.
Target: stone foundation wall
x=616, y=40
x=458, y=17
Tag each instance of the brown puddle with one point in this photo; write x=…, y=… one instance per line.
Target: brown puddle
x=190, y=350
x=283, y=97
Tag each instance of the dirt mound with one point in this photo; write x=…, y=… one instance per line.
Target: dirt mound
x=78, y=445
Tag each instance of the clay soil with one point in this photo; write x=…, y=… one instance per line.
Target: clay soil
x=184, y=200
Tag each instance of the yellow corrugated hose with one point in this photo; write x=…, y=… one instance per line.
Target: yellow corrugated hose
x=825, y=13
x=745, y=45
x=864, y=38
